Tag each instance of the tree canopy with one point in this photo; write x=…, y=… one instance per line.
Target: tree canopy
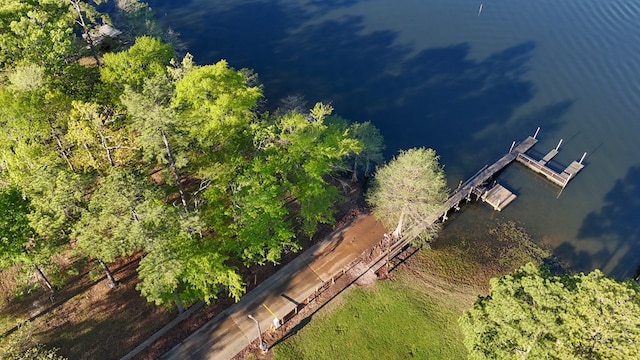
x=139, y=151
x=15, y=231
x=409, y=192
x=534, y=314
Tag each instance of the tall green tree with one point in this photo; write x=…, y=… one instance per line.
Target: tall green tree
x=218, y=102
x=35, y=157
x=534, y=314
x=88, y=19
x=158, y=129
x=183, y=265
x=18, y=242
x=372, y=147
x=21, y=345
x=57, y=198
x=37, y=32
x=116, y=220
x=363, y=161
x=49, y=205
x=100, y=136
x=309, y=149
x=260, y=227
x=15, y=231
x=287, y=178
x=409, y=192
x=146, y=58
x=34, y=128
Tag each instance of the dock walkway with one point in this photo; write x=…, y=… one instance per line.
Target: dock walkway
x=477, y=183
x=497, y=195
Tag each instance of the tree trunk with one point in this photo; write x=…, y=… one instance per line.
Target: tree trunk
x=105, y=146
x=85, y=31
x=44, y=278
x=354, y=174
x=398, y=231
x=178, y=301
x=63, y=152
x=112, y=282
x=174, y=171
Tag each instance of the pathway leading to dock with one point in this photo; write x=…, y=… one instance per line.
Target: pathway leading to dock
x=231, y=331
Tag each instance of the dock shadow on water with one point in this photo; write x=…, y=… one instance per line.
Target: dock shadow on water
x=616, y=225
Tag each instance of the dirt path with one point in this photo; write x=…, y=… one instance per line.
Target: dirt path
x=283, y=294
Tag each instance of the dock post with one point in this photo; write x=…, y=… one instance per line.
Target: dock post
x=512, y=145
x=536, y=134
x=558, y=147
x=563, y=186
x=582, y=158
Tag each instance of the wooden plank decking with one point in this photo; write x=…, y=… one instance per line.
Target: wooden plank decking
x=498, y=197
x=477, y=181
x=560, y=179
x=549, y=156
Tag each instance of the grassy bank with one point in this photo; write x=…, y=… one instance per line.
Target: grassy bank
x=414, y=315
x=385, y=321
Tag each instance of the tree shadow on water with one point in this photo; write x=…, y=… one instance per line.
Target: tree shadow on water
x=437, y=97
x=616, y=225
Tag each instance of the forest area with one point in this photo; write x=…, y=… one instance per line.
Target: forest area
x=116, y=144
x=117, y=147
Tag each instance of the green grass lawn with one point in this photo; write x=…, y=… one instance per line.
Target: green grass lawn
x=415, y=314
x=385, y=321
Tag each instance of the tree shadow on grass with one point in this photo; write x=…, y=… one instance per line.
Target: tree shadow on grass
x=89, y=328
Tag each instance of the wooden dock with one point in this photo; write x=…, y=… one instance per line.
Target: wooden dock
x=476, y=184
x=560, y=179
x=498, y=196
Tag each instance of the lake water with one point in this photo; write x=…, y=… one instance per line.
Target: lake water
x=442, y=74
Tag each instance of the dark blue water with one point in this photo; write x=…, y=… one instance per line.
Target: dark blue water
x=438, y=74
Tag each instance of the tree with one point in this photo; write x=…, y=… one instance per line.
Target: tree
x=147, y=58
x=533, y=314
x=308, y=149
x=115, y=221
x=35, y=158
x=183, y=265
x=15, y=231
x=218, y=103
x=409, y=192
x=21, y=345
x=100, y=135
x=19, y=242
x=33, y=130
x=260, y=227
x=372, y=147
x=37, y=32
x=157, y=128
x=87, y=19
